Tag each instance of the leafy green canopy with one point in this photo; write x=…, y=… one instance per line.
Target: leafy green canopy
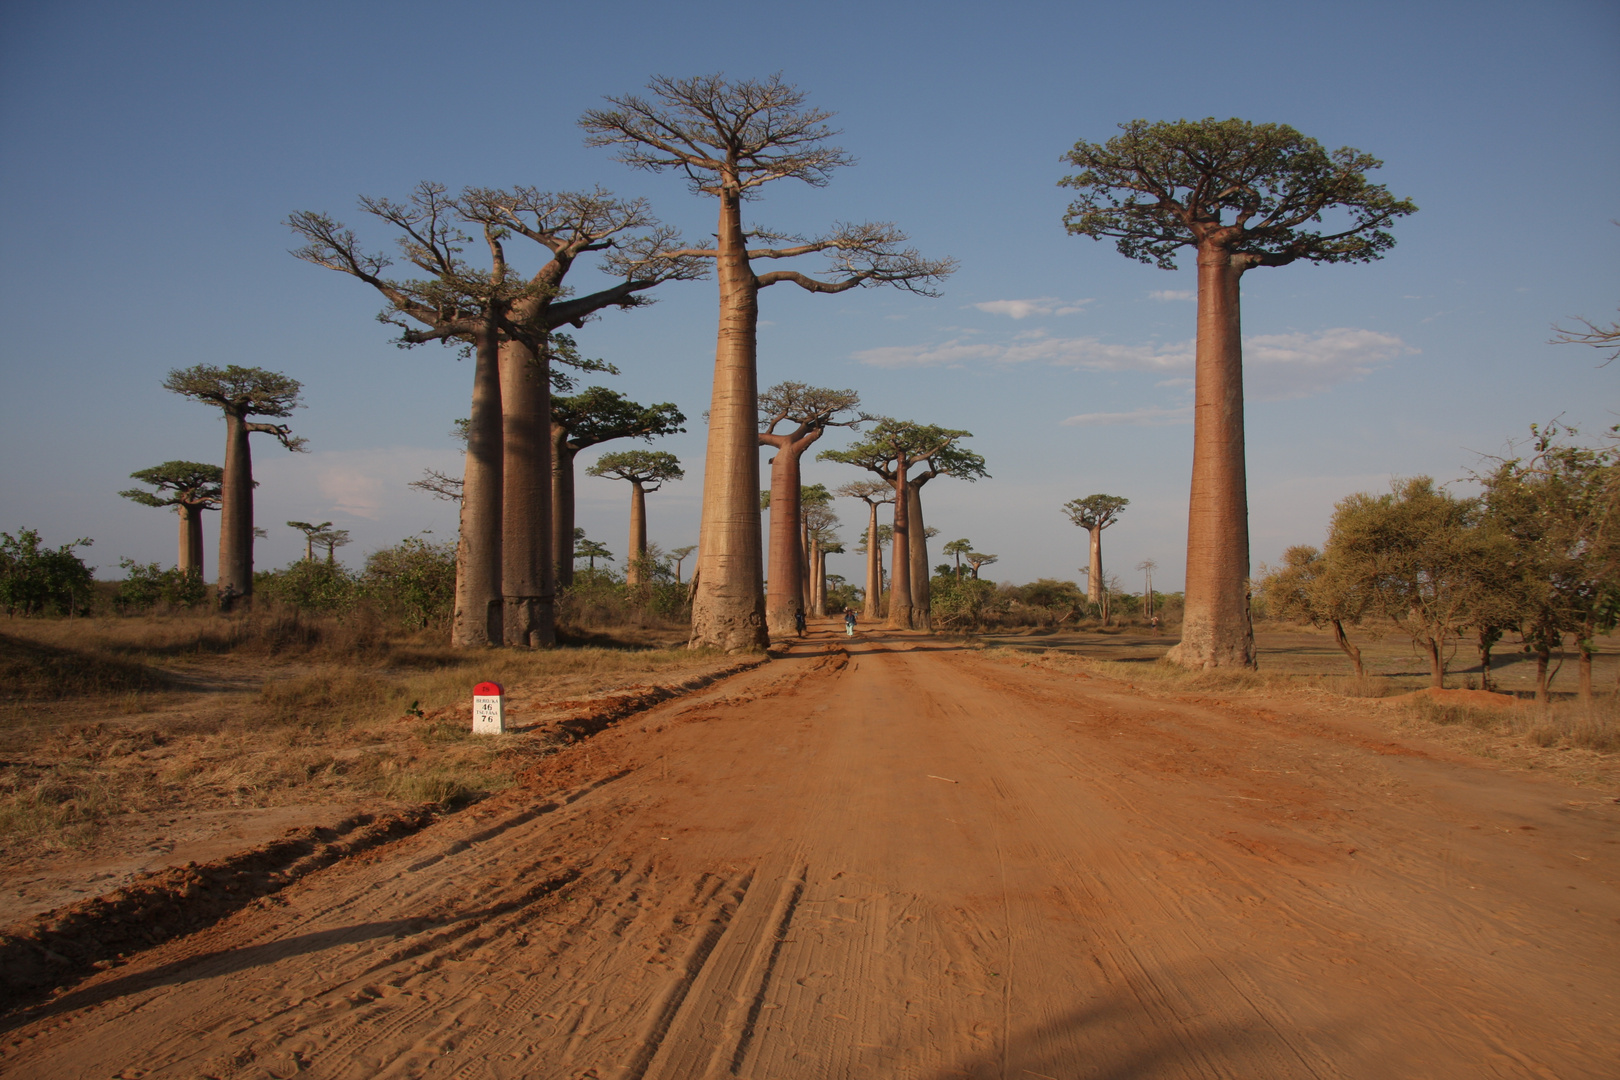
x=189, y=483
x=639, y=466
x=889, y=439
x=1259, y=191
x=598, y=415
x=1096, y=511
x=246, y=391
x=36, y=580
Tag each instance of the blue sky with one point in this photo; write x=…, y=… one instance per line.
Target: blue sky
x=153, y=152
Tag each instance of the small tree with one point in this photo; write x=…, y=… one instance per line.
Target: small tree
x=679, y=555
x=332, y=539
x=729, y=139
x=1310, y=588
x=956, y=549
x=1241, y=195
x=240, y=393
x=645, y=470
x=591, y=550
x=1094, y=513
x=413, y=582
x=873, y=493
x=590, y=418
x=311, y=533
x=977, y=559
x=190, y=487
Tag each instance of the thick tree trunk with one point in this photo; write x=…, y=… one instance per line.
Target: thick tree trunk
x=805, y=599
x=477, y=620
x=1215, y=626
x=1094, y=573
x=236, y=510
x=785, y=592
x=900, y=561
x=922, y=607
x=633, y=564
x=818, y=579
x=1349, y=647
x=874, y=566
x=728, y=602
x=562, y=506
x=526, y=572
x=190, y=560
x=1437, y=663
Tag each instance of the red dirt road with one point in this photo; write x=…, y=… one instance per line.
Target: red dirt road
x=903, y=859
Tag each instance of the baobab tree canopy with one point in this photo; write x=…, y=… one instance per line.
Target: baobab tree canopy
x=1256, y=189
x=191, y=483
x=641, y=467
x=598, y=415
x=729, y=139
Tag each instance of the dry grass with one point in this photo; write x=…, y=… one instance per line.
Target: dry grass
x=1592, y=726
x=206, y=712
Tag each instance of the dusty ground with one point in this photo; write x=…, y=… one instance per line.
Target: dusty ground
x=905, y=858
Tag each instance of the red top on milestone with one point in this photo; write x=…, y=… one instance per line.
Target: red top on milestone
x=488, y=689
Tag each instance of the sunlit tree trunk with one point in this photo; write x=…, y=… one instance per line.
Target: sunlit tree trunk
x=526, y=570
x=1094, y=575
x=562, y=506
x=190, y=560
x=1216, y=630
x=1543, y=662
x=874, y=566
x=786, y=589
x=236, y=509
x=728, y=601
x=1349, y=647
x=1437, y=663
x=477, y=619
x=900, y=563
x=818, y=579
x=922, y=614
x=634, y=570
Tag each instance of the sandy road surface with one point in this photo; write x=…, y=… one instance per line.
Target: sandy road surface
x=909, y=860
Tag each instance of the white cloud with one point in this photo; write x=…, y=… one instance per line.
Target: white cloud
x=1152, y=416
x=1022, y=309
x=1277, y=367
x=1167, y=295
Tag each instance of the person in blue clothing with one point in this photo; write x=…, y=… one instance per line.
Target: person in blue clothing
x=798, y=621
x=849, y=622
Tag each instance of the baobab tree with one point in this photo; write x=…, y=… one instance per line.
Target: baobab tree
x=820, y=533
x=1241, y=195
x=310, y=533
x=810, y=410
x=591, y=550
x=646, y=470
x=952, y=461
x=890, y=449
x=590, y=418
x=977, y=559
x=1147, y=566
x=874, y=493
x=332, y=539
x=956, y=549
x=679, y=555
x=729, y=139
x=240, y=393
x=190, y=487
x=504, y=580
x=1094, y=513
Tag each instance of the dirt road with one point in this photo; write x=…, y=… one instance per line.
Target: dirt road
x=904, y=859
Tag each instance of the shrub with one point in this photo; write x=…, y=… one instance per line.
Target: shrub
x=309, y=585
x=413, y=582
x=146, y=585
x=39, y=581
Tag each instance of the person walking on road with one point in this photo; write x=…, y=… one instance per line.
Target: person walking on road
x=798, y=621
x=849, y=622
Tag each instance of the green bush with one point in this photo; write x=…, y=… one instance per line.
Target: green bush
x=413, y=582
x=40, y=581
x=146, y=585
x=309, y=585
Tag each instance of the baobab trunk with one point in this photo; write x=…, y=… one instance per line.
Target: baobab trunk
x=805, y=598
x=190, y=560
x=728, y=603
x=528, y=613
x=785, y=592
x=562, y=506
x=874, y=566
x=922, y=607
x=818, y=579
x=1215, y=627
x=1094, y=575
x=633, y=568
x=236, y=509
x=477, y=619
x=900, y=571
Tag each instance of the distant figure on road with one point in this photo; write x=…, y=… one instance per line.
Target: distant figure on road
x=1154, y=622
x=798, y=621
x=849, y=622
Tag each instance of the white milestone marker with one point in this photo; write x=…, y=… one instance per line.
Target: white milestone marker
x=489, y=709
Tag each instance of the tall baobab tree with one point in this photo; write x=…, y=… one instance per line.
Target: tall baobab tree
x=646, y=470
x=820, y=533
x=1241, y=195
x=874, y=493
x=1147, y=566
x=953, y=461
x=504, y=581
x=311, y=533
x=191, y=487
x=810, y=410
x=594, y=416
x=890, y=449
x=1094, y=513
x=729, y=139
x=240, y=393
